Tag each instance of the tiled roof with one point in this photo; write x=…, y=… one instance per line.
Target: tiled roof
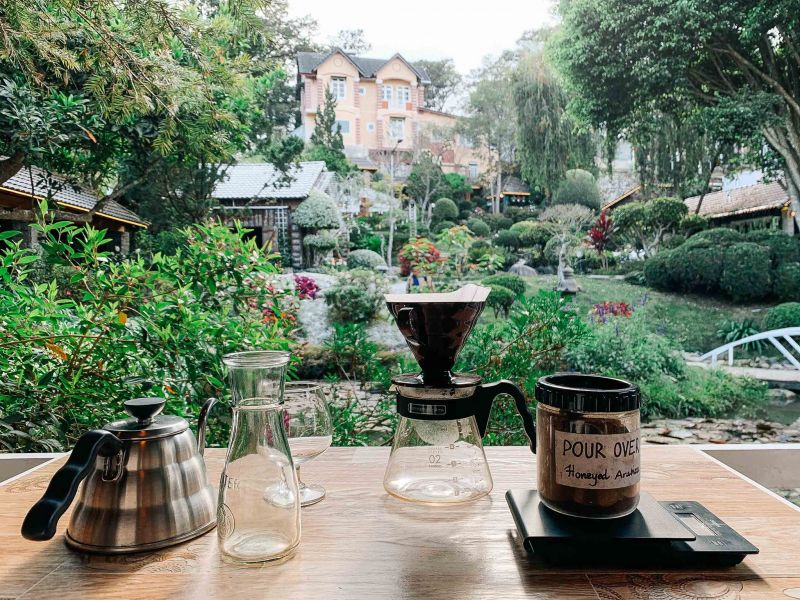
x=264, y=181
x=515, y=185
x=740, y=201
x=307, y=62
x=35, y=180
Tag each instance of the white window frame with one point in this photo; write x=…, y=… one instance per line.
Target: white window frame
x=393, y=121
x=338, y=87
x=386, y=93
x=403, y=95
x=473, y=170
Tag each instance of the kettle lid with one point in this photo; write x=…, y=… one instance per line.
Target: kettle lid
x=146, y=422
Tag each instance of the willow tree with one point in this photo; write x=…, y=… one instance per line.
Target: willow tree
x=716, y=62
x=550, y=142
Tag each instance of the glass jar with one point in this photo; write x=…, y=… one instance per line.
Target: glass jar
x=588, y=445
x=258, y=515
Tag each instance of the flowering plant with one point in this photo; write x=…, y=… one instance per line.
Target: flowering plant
x=603, y=310
x=306, y=287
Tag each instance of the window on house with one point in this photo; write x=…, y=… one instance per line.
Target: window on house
x=386, y=93
x=362, y=91
x=403, y=95
x=396, y=127
x=473, y=170
x=370, y=126
x=338, y=87
x=344, y=126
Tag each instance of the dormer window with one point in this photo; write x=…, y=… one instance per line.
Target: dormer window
x=338, y=87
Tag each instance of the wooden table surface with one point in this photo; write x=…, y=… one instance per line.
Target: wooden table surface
x=361, y=543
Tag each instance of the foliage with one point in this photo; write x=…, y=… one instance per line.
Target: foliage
x=364, y=259
x=692, y=224
x=500, y=300
x=456, y=186
x=601, y=234
x=786, y=282
x=648, y=222
x=356, y=297
x=456, y=241
x=507, y=239
x=326, y=139
x=354, y=354
x=533, y=234
x=445, y=210
x=578, y=187
x=426, y=182
x=746, y=272
x=307, y=288
x=442, y=226
x=497, y=222
x=550, y=141
x=120, y=328
x=352, y=41
x=732, y=331
x=567, y=222
x=478, y=227
x=316, y=212
x=783, y=249
x=783, y=315
x=320, y=242
x=515, y=283
x=712, y=238
x=419, y=254
x=445, y=82
x=602, y=311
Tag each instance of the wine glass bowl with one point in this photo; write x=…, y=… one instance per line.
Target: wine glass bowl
x=310, y=430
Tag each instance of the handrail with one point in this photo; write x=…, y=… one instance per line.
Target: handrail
x=787, y=333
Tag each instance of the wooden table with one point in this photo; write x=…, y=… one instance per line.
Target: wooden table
x=361, y=543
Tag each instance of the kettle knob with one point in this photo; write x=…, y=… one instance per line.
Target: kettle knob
x=144, y=409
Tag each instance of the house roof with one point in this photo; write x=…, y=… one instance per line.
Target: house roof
x=263, y=181
x=307, y=62
x=740, y=201
x=34, y=182
x=515, y=186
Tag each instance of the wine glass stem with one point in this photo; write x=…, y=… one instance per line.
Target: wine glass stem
x=300, y=485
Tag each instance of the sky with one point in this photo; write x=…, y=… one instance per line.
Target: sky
x=464, y=30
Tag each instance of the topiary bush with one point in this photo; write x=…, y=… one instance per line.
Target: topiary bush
x=783, y=249
x=578, y=187
x=500, y=299
x=696, y=269
x=444, y=210
x=442, y=225
x=746, y=274
x=356, y=298
x=479, y=228
x=715, y=237
x=657, y=271
x=786, y=282
x=532, y=233
x=318, y=211
x=497, y=222
x=365, y=259
x=783, y=315
x=507, y=239
x=515, y=283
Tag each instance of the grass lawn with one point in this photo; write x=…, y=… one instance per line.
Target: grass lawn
x=690, y=320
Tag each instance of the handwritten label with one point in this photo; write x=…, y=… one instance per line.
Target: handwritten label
x=595, y=461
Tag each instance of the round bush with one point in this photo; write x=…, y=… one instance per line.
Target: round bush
x=478, y=249
x=321, y=242
x=692, y=224
x=507, y=239
x=532, y=233
x=746, y=274
x=497, y=222
x=365, y=259
x=783, y=249
x=478, y=227
x=783, y=315
x=318, y=211
x=550, y=252
x=356, y=297
x=657, y=271
x=696, y=269
x=445, y=210
x=719, y=236
x=786, y=282
x=442, y=225
x=515, y=283
x=500, y=299
x=578, y=187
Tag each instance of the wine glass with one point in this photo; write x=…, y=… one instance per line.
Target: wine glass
x=310, y=431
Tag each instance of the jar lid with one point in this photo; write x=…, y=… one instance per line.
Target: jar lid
x=146, y=423
x=587, y=393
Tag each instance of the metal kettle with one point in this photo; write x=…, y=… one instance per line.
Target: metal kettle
x=146, y=485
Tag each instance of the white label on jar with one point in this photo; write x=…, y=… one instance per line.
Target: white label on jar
x=596, y=461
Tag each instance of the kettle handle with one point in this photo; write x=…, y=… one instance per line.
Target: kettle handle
x=484, y=398
x=202, y=419
x=41, y=520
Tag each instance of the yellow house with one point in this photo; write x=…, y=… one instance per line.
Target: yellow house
x=380, y=111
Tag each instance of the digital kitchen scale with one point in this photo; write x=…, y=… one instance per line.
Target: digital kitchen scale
x=678, y=533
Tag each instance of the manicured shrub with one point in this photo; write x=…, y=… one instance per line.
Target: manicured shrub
x=786, y=282
x=465, y=214
x=445, y=210
x=365, y=259
x=507, y=239
x=783, y=249
x=550, y=251
x=500, y=299
x=442, y=225
x=696, y=269
x=513, y=282
x=320, y=242
x=657, y=271
x=356, y=297
x=692, y=224
x=478, y=227
x=716, y=237
x=318, y=211
x=578, y=187
x=497, y=222
x=746, y=274
x=783, y=315
x=532, y=233
x=478, y=249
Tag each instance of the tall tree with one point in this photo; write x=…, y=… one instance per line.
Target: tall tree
x=693, y=59
x=445, y=82
x=550, y=140
x=425, y=182
x=352, y=41
x=327, y=143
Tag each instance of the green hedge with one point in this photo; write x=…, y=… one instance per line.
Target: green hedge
x=786, y=282
x=515, y=283
x=746, y=274
x=783, y=315
x=478, y=227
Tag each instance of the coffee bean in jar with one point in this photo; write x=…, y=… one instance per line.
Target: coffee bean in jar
x=588, y=445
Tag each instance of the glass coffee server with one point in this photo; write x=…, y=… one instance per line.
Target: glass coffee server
x=258, y=515
x=310, y=429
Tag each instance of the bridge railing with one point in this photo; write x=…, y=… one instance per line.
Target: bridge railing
x=777, y=337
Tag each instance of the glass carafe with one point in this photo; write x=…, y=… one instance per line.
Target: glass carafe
x=438, y=461
x=258, y=517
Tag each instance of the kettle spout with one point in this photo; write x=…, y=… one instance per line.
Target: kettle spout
x=201, y=424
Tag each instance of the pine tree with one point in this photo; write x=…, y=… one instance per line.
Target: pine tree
x=326, y=140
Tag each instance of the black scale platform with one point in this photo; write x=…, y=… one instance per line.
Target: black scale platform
x=674, y=533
